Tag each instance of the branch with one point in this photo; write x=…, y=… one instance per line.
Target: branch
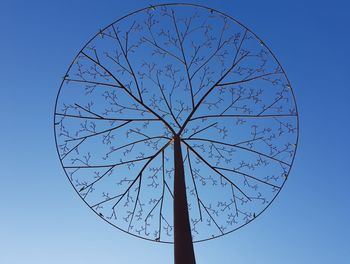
x=240, y=45
x=108, y=165
x=214, y=169
x=66, y=154
x=150, y=212
x=111, y=167
x=101, y=132
x=140, y=173
x=209, y=91
x=163, y=190
x=205, y=208
x=118, y=63
x=247, y=175
x=135, y=142
x=240, y=147
x=220, y=46
x=137, y=199
x=234, y=199
x=194, y=183
x=87, y=110
x=242, y=116
x=92, y=82
x=107, y=118
x=248, y=80
x=166, y=51
x=166, y=101
x=231, y=104
x=201, y=130
x=128, y=62
x=107, y=200
x=184, y=58
x=266, y=108
x=130, y=94
x=167, y=186
x=160, y=199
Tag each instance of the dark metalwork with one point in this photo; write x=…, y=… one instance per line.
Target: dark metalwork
x=183, y=247
x=176, y=123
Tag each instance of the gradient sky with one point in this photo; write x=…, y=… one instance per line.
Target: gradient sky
x=42, y=219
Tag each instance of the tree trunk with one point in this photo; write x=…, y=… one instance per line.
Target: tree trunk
x=183, y=246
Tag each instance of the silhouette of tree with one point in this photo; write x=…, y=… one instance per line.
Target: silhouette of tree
x=176, y=109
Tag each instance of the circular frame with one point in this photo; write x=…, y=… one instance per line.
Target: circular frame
x=212, y=10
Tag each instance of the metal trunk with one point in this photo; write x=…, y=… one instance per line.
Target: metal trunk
x=183, y=246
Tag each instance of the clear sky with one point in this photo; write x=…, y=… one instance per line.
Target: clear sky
x=43, y=220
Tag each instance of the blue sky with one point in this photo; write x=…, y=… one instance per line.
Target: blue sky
x=43, y=220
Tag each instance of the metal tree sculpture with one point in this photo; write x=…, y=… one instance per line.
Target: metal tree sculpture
x=176, y=123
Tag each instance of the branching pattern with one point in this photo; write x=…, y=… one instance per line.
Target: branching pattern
x=176, y=70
